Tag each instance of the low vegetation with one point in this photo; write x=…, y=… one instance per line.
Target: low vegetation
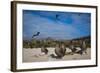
x=49, y=42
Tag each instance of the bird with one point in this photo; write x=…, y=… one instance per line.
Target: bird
x=35, y=34
x=60, y=51
x=57, y=16
x=83, y=47
x=44, y=50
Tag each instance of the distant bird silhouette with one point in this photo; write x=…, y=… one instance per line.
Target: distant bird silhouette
x=35, y=34
x=57, y=16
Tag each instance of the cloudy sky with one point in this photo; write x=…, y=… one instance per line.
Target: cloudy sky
x=57, y=25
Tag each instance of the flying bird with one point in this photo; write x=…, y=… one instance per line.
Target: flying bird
x=57, y=16
x=36, y=34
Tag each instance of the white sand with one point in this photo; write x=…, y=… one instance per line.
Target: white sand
x=35, y=55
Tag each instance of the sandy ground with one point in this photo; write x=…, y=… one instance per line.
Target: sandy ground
x=35, y=55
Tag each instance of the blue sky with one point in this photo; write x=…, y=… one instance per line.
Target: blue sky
x=57, y=25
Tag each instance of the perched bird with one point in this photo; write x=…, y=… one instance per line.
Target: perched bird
x=73, y=48
x=60, y=51
x=83, y=47
x=44, y=50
